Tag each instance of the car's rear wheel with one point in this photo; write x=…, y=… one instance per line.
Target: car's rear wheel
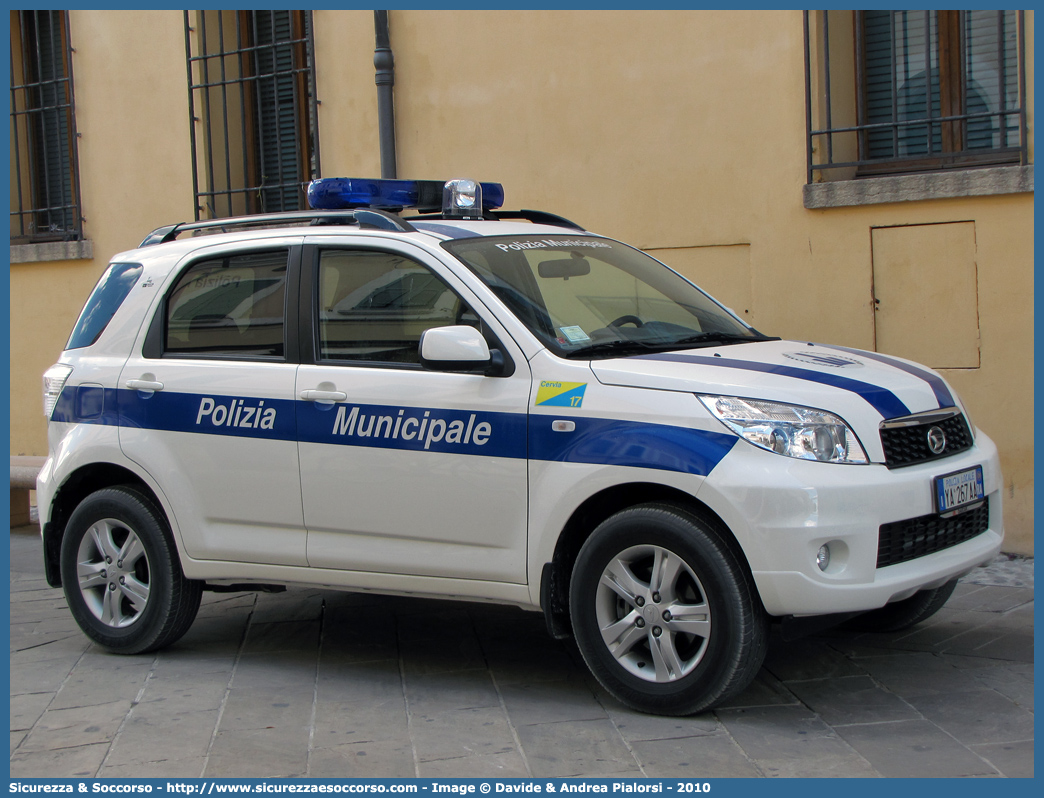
x=121, y=574
x=903, y=614
x=664, y=614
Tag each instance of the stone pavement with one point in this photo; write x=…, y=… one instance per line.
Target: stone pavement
x=324, y=684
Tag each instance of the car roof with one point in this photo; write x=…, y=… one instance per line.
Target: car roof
x=164, y=242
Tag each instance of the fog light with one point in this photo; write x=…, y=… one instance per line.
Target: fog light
x=823, y=558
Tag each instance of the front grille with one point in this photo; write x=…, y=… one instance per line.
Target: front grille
x=901, y=541
x=908, y=445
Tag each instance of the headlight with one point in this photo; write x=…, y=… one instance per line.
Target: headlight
x=801, y=432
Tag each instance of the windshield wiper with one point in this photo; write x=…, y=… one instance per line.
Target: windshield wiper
x=689, y=341
x=611, y=348
x=712, y=337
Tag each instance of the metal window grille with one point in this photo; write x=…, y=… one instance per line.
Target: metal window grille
x=932, y=90
x=45, y=189
x=252, y=105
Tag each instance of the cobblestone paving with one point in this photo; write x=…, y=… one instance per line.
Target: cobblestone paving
x=1006, y=570
x=325, y=684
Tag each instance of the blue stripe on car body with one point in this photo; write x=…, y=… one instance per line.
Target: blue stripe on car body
x=595, y=441
x=882, y=400
x=210, y=414
x=942, y=393
x=628, y=443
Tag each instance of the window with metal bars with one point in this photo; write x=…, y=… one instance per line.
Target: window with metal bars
x=45, y=190
x=906, y=91
x=252, y=105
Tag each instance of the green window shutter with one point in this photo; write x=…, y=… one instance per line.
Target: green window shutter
x=902, y=82
x=51, y=155
x=991, y=78
x=899, y=61
x=278, y=107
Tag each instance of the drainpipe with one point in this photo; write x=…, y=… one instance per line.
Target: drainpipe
x=384, y=64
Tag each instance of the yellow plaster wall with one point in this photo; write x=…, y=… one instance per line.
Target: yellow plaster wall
x=344, y=42
x=998, y=394
x=681, y=132
x=135, y=175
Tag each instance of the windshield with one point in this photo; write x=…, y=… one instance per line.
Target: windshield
x=588, y=297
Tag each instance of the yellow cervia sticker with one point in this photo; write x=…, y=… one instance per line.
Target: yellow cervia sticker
x=561, y=394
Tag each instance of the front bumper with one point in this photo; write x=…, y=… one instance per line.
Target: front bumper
x=783, y=510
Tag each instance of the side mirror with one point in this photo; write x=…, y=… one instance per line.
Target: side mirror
x=455, y=348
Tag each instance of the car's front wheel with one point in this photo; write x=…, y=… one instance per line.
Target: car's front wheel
x=664, y=614
x=121, y=573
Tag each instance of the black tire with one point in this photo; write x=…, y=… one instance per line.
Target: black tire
x=711, y=643
x=121, y=573
x=903, y=614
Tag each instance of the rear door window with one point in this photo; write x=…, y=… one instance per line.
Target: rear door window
x=231, y=306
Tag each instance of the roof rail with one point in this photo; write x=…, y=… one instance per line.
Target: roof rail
x=364, y=217
x=539, y=217
x=536, y=217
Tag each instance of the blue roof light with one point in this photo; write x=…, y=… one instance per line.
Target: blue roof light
x=343, y=193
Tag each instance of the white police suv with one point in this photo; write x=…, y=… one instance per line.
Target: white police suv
x=492, y=405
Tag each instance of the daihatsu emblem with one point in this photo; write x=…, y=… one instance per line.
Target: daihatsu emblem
x=936, y=440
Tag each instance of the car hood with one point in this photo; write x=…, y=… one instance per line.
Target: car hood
x=862, y=387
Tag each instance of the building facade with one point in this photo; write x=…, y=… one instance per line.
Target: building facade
x=860, y=178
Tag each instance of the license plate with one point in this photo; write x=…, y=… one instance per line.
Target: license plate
x=959, y=489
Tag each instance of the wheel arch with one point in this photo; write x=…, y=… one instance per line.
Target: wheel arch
x=79, y=485
x=555, y=576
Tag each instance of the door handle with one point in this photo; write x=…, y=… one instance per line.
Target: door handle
x=144, y=385
x=315, y=395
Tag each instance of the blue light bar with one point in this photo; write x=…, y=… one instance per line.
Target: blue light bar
x=343, y=193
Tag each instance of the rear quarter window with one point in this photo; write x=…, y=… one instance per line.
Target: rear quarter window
x=105, y=300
